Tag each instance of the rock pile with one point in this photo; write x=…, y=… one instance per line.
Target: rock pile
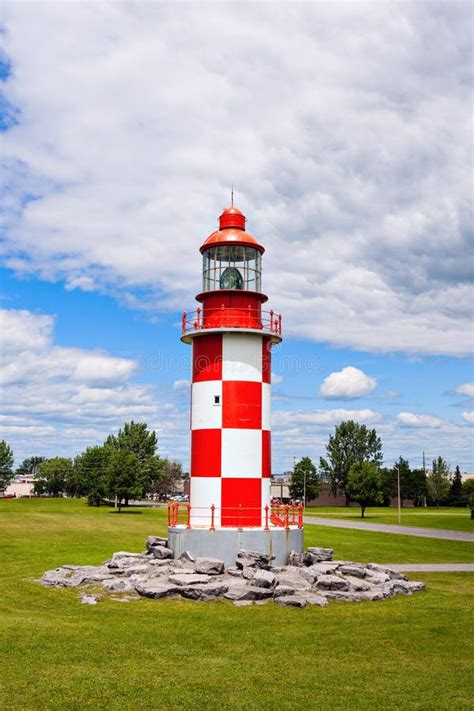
x=311, y=578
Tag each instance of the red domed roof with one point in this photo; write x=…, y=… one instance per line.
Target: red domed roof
x=231, y=231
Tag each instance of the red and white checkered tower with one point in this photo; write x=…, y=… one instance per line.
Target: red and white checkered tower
x=231, y=337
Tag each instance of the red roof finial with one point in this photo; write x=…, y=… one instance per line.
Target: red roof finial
x=232, y=217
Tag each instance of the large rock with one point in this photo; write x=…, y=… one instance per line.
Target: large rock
x=72, y=576
x=122, y=559
x=295, y=559
x=346, y=595
x=136, y=570
x=312, y=572
x=392, y=574
x=377, y=578
x=161, y=552
x=234, y=571
x=291, y=601
x=357, y=584
x=283, y=591
x=209, y=566
x=234, y=592
x=204, y=592
x=357, y=571
x=156, y=590
x=316, y=600
x=320, y=554
x=153, y=541
x=187, y=557
x=293, y=578
x=404, y=587
x=253, y=559
x=116, y=585
x=253, y=593
x=264, y=579
x=185, y=579
x=332, y=582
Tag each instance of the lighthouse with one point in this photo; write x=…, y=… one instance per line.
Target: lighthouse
x=231, y=336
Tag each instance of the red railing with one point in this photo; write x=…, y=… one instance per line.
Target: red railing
x=231, y=317
x=277, y=516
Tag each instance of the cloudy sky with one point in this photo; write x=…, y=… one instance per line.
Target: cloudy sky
x=345, y=130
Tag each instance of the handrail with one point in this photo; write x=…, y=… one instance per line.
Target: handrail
x=231, y=317
x=238, y=516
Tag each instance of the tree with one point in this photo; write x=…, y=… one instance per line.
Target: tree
x=172, y=472
x=91, y=474
x=153, y=474
x=418, y=486
x=412, y=482
x=29, y=467
x=54, y=477
x=135, y=437
x=124, y=476
x=438, y=481
x=351, y=443
x=364, y=485
x=468, y=487
x=305, y=469
x=6, y=465
x=456, y=497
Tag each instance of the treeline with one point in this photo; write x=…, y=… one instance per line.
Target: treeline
x=353, y=469
x=125, y=467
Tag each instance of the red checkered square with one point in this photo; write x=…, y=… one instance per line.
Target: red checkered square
x=241, y=502
x=266, y=360
x=207, y=357
x=241, y=404
x=266, y=453
x=206, y=453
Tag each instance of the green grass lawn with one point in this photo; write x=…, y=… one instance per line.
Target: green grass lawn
x=411, y=653
x=455, y=519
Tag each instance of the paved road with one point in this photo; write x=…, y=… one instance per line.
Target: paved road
x=432, y=567
x=390, y=528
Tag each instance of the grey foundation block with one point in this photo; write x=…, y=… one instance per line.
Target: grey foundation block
x=225, y=543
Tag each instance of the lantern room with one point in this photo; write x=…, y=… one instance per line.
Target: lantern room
x=232, y=258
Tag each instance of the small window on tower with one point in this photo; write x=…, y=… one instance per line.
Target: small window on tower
x=217, y=399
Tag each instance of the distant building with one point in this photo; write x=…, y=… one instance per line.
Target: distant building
x=20, y=486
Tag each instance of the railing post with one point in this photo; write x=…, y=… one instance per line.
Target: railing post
x=271, y=320
x=300, y=516
x=287, y=525
x=279, y=325
x=267, y=527
x=199, y=316
x=213, y=508
x=188, y=525
x=183, y=322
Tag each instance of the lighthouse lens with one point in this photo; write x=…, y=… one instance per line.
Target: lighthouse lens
x=232, y=266
x=231, y=279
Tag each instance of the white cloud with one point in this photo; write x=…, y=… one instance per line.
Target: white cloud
x=465, y=389
x=343, y=124
x=322, y=417
x=347, y=384
x=181, y=385
x=58, y=400
x=411, y=419
x=276, y=378
x=468, y=416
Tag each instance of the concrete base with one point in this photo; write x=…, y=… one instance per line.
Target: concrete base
x=225, y=543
